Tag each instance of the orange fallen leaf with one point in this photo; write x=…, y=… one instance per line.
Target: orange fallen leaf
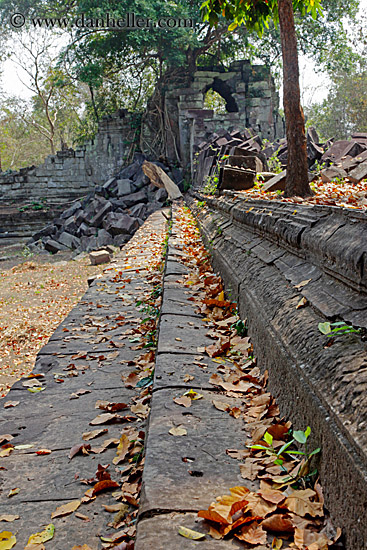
x=104, y=485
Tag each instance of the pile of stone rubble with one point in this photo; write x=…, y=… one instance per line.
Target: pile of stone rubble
x=236, y=159
x=108, y=216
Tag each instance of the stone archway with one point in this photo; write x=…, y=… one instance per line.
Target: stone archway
x=226, y=92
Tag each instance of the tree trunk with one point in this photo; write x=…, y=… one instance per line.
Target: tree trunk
x=297, y=167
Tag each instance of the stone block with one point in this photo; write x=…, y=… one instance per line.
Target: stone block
x=97, y=219
x=120, y=240
x=88, y=243
x=359, y=173
x=251, y=162
x=69, y=240
x=276, y=183
x=135, y=198
x=237, y=179
x=54, y=246
x=117, y=224
x=138, y=211
x=332, y=173
x=124, y=187
x=104, y=238
x=161, y=195
x=99, y=257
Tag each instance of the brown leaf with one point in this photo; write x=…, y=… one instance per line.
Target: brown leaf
x=82, y=516
x=253, y=534
x=79, y=448
x=235, y=412
x=299, y=502
x=5, y=437
x=65, y=509
x=278, y=523
x=131, y=380
x=43, y=452
x=251, y=468
x=84, y=547
x=184, y=401
x=140, y=410
x=122, y=449
x=105, y=418
x=178, y=431
x=302, y=303
x=93, y=434
x=9, y=404
x=220, y=405
x=273, y=496
x=304, y=538
x=258, y=506
x=104, y=485
x=8, y=517
x=219, y=348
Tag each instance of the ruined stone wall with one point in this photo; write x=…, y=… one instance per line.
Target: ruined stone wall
x=251, y=102
x=73, y=173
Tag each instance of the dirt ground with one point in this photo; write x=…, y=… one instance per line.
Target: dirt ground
x=36, y=294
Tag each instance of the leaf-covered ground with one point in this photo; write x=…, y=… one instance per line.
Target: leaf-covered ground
x=338, y=193
x=35, y=296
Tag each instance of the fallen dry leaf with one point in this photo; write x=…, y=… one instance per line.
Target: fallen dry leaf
x=104, y=485
x=94, y=433
x=8, y=517
x=65, y=509
x=7, y=540
x=299, y=502
x=79, y=448
x=190, y=534
x=253, y=534
x=184, y=401
x=9, y=404
x=43, y=536
x=178, y=431
x=220, y=405
x=122, y=449
x=105, y=418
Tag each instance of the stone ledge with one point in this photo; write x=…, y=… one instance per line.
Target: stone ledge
x=315, y=385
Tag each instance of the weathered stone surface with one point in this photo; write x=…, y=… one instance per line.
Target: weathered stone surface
x=98, y=218
x=250, y=162
x=326, y=381
x=54, y=246
x=88, y=243
x=71, y=210
x=138, y=210
x=99, y=257
x=276, y=183
x=104, y=238
x=161, y=533
x=333, y=172
x=167, y=484
x=161, y=195
x=124, y=187
x=135, y=198
x=117, y=224
x=237, y=179
x=359, y=173
x=120, y=240
x=68, y=240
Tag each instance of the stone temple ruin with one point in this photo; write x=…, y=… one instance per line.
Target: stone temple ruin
x=171, y=129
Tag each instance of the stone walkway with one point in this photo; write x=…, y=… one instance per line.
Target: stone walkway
x=84, y=361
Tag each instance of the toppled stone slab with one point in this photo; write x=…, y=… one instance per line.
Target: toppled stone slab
x=276, y=183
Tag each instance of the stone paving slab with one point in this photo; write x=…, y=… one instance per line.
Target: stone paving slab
x=69, y=531
x=167, y=483
x=176, y=302
x=179, y=334
x=166, y=525
x=171, y=369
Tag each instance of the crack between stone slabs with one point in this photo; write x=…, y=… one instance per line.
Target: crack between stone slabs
x=178, y=386
x=162, y=512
